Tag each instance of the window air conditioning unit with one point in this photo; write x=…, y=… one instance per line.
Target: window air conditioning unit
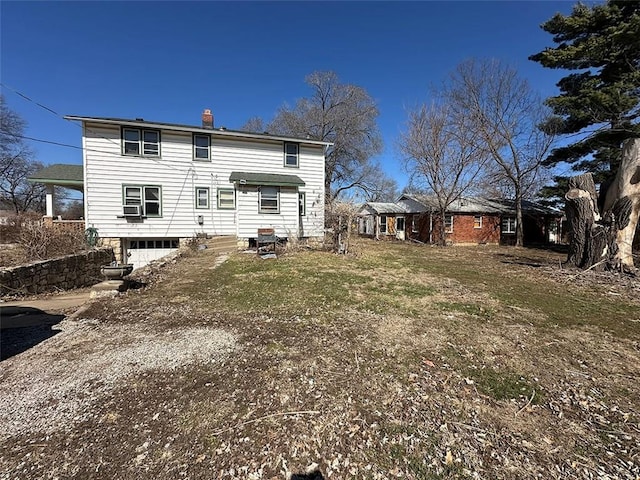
x=132, y=210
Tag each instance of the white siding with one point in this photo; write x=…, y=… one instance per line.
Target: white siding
x=107, y=170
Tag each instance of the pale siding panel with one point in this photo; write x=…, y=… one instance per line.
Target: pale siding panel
x=106, y=170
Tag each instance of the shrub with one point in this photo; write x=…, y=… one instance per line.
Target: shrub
x=11, y=227
x=40, y=242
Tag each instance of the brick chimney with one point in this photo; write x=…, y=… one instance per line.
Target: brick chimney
x=207, y=119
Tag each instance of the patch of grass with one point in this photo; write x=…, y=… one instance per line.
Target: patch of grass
x=467, y=308
x=502, y=385
x=285, y=285
x=556, y=304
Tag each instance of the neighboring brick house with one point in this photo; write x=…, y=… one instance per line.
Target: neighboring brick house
x=467, y=221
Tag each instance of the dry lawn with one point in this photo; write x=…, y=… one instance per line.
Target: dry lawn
x=400, y=361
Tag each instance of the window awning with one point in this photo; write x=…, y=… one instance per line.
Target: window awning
x=252, y=178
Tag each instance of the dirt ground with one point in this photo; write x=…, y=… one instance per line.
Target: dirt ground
x=400, y=361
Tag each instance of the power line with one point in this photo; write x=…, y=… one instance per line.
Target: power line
x=30, y=100
x=50, y=110
x=48, y=141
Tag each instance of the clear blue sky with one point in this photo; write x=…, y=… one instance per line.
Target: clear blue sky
x=166, y=61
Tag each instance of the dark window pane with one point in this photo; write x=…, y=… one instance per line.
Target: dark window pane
x=131, y=148
x=152, y=193
x=132, y=135
x=292, y=149
x=151, y=136
x=202, y=141
x=152, y=208
x=150, y=149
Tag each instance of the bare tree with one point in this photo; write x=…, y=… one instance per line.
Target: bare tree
x=505, y=115
x=253, y=125
x=442, y=154
x=380, y=187
x=340, y=113
x=16, y=164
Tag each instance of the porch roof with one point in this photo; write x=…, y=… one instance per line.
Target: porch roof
x=70, y=176
x=274, y=179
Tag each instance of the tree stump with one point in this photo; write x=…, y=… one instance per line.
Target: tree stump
x=623, y=201
x=605, y=241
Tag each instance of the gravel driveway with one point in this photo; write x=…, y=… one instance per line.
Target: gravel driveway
x=55, y=384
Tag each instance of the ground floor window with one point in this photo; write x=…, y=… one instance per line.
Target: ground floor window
x=448, y=223
x=508, y=224
x=226, y=198
x=153, y=243
x=477, y=221
x=269, y=199
x=400, y=224
x=414, y=225
x=202, y=197
x=302, y=207
x=148, y=197
x=383, y=224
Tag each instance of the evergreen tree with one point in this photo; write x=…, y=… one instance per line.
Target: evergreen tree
x=600, y=101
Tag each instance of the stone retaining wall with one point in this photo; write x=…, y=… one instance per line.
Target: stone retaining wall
x=71, y=271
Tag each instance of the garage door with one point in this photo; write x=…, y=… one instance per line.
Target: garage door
x=142, y=251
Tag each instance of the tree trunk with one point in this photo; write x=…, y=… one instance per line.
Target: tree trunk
x=519, y=223
x=443, y=229
x=623, y=201
x=605, y=241
x=582, y=215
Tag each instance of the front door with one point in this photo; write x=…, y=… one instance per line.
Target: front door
x=400, y=228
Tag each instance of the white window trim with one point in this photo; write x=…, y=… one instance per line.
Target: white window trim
x=141, y=143
x=287, y=155
x=448, y=228
x=511, y=225
x=197, y=198
x=474, y=221
x=233, y=193
x=302, y=204
x=142, y=199
x=196, y=148
x=261, y=209
x=404, y=224
x=383, y=224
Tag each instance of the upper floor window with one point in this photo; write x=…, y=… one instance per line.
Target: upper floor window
x=291, y=154
x=509, y=225
x=477, y=221
x=269, y=199
x=139, y=141
x=201, y=147
x=149, y=197
x=448, y=223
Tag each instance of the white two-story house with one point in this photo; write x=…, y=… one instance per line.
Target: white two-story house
x=150, y=185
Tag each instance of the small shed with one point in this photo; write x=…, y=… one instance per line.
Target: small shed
x=382, y=221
